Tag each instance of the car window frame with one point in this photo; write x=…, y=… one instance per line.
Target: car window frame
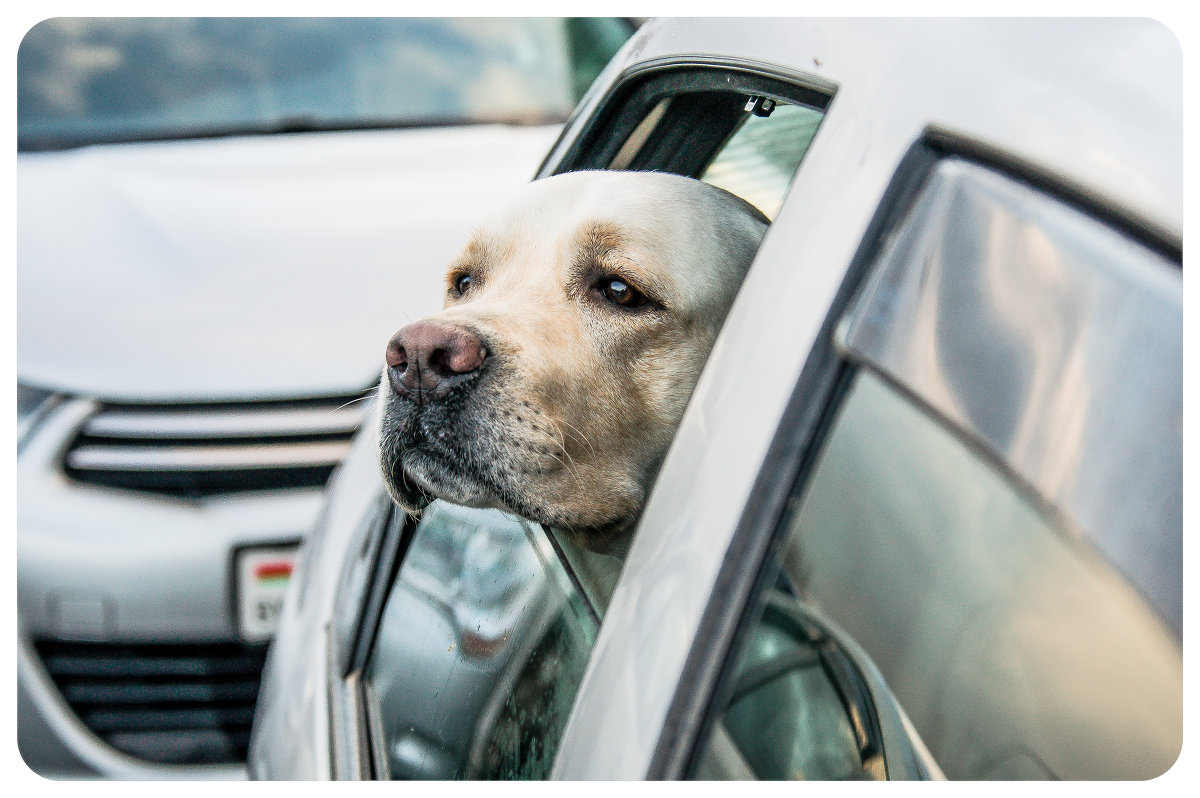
x=357, y=614
x=636, y=95
x=746, y=573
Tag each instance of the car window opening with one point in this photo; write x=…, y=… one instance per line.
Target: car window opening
x=495, y=609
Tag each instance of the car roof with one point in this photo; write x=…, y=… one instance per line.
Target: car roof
x=1045, y=89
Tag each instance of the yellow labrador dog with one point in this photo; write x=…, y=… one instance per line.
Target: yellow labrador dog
x=576, y=322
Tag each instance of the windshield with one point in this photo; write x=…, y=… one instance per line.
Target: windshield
x=87, y=81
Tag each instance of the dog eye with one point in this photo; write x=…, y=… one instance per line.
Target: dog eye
x=619, y=292
x=462, y=283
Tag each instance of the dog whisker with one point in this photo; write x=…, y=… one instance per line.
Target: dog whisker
x=571, y=467
x=371, y=395
x=560, y=440
x=404, y=313
x=579, y=434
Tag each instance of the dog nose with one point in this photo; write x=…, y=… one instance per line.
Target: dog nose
x=430, y=354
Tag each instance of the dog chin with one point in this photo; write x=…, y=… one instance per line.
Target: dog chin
x=424, y=480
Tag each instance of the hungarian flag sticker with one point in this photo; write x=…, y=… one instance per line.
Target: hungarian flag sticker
x=262, y=575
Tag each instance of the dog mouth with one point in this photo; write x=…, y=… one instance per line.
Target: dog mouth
x=446, y=451
x=428, y=474
x=421, y=465
x=424, y=474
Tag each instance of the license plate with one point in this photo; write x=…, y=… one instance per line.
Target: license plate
x=262, y=579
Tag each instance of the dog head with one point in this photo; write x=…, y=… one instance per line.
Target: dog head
x=576, y=322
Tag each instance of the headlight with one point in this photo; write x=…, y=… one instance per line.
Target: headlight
x=32, y=406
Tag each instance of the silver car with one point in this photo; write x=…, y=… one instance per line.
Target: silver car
x=923, y=516
x=217, y=221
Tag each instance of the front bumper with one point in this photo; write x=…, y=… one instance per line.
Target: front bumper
x=99, y=566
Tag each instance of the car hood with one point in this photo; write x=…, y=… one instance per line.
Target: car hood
x=254, y=267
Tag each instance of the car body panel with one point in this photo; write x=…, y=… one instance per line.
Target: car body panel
x=968, y=75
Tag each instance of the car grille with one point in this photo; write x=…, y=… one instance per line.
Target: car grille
x=202, y=450
x=171, y=704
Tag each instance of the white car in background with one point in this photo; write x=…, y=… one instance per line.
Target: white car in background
x=220, y=221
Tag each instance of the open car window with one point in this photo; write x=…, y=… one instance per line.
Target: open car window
x=743, y=132
x=485, y=627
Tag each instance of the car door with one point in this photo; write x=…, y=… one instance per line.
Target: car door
x=974, y=569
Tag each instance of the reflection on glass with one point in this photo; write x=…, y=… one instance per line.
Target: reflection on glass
x=759, y=161
x=82, y=80
x=479, y=652
x=1015, y=649
x=801, y=705
x=815, y=741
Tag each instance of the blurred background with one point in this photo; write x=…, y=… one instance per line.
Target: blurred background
x=220, y=223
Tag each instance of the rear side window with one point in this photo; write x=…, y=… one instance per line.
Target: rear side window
x=742, y=132
x=1013, y=650
x=978, y=574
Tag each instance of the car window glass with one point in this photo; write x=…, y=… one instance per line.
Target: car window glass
x=760, y=159
x=747, y=144
x=783, y=666
x=479, y=651
x=1008, y=644
x=87, y=80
